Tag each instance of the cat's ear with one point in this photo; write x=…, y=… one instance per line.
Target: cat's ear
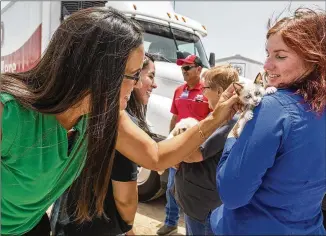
x=237, y=87
x=259, y=79
x=265, y=81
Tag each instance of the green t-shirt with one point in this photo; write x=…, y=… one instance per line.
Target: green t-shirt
x=34, y=158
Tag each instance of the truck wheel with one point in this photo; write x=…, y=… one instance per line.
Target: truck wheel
x=149, y=185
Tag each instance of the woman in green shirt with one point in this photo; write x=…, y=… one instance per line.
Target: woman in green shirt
x=82, y=82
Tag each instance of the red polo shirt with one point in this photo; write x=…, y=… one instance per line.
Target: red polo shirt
x=190, y=103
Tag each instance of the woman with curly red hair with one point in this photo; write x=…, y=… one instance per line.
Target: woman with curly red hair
x=272, y=179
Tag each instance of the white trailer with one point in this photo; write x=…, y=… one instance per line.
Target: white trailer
x=27, y=27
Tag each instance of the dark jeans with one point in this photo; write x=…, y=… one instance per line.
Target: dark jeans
x=194, y=227
x=171, y=207
x=42, y=228
x=324, y=216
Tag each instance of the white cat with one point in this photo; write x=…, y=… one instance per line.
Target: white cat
x=182, y=126
x=179, y=128
x=250, y=95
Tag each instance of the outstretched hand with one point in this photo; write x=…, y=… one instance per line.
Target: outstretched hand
x=227, y=106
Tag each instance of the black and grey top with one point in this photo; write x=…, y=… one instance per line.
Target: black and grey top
x=195, y=183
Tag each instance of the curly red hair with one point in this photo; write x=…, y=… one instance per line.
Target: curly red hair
x=305, y=33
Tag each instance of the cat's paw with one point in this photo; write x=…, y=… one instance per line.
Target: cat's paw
x=248, y=115
x=271, y=90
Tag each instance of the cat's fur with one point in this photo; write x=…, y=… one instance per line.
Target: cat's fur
x=250, y=95
x=180, y=128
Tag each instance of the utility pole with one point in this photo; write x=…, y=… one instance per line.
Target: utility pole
x=174, y=5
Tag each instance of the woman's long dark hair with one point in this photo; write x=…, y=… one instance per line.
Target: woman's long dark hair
x=134, y=107
x=87, y=55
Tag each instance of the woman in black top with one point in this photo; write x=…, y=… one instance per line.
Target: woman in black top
x=122, y=197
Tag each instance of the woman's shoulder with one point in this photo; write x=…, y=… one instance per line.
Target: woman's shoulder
x=282, y=98
x=19, y=123
x=12, y=115
x=285, y=96
x=13, y=109
x=274, y=105
x=284, y=105
x=6, y=97
x=9, y=104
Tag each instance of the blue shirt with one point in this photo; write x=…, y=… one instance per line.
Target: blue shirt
x=273, y=178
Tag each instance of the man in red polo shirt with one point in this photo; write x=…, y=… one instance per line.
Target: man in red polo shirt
x=188, y=101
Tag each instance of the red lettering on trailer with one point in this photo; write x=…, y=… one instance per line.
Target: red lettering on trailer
x=26, y=56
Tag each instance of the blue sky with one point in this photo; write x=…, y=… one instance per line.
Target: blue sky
x=238, y=27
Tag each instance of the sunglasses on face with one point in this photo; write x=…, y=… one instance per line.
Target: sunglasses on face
x=134, y=77
x=186, y=68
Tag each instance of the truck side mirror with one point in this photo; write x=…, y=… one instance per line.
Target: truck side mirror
x=212, y=59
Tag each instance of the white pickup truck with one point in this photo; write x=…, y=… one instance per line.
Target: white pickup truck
x=27, y=27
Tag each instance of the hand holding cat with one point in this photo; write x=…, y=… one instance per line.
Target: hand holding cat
x=251, y=95
x=227, y=106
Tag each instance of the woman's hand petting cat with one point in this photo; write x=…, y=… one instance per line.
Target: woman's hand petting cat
x=227, y=106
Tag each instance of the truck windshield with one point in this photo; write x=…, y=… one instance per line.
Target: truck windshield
x=159, y=39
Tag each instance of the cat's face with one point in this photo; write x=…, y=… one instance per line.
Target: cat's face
x=250, y=93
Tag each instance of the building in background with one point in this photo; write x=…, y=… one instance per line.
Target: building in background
x=246, y=67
